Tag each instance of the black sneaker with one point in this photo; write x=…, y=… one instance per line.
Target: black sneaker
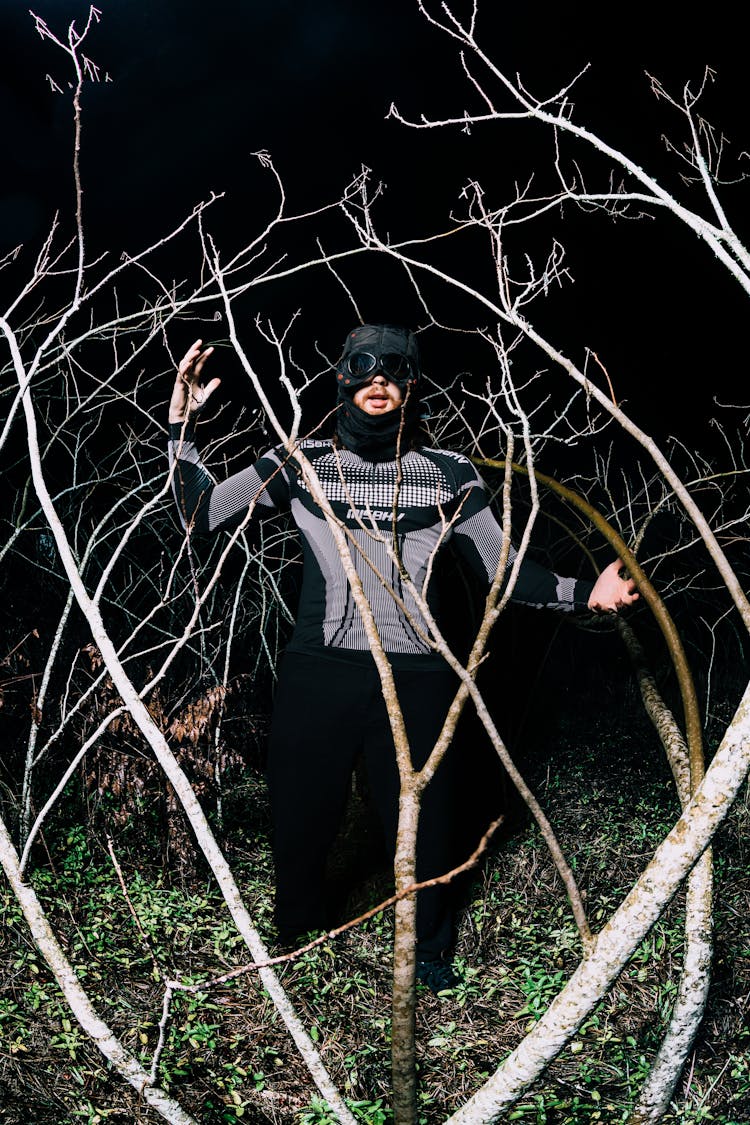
x=438, y=974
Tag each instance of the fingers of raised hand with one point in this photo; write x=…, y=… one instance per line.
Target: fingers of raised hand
x=192, y=362
x=189, y=396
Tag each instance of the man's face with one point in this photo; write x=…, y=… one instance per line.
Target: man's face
x=379, y=396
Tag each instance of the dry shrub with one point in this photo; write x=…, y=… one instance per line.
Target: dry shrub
x=125, y=782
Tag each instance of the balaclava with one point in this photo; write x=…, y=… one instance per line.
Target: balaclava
x=370, y=350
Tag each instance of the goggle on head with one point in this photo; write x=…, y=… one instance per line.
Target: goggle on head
x=360, y=367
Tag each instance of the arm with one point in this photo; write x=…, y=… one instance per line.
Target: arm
x=203, y=504
x=479, y=537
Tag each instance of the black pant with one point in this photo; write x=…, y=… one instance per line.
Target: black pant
x=326, y=712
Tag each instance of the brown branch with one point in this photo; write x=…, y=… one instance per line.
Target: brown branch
x=412, y=889
x=143, y=935
x=606, y=376
x=654, y=602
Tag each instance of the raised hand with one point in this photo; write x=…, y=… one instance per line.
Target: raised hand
x=189, y=395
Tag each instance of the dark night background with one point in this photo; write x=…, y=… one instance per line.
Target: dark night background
x=197, y=88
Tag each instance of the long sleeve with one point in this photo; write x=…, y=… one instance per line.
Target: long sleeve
x=207, y=506
x=479, y=538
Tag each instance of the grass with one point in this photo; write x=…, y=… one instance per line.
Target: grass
x=228, y=1059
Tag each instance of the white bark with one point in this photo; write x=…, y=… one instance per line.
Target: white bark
x=80, y=1005
x=692, y=994
x=556, y=112
x=169, y=764
x=36, y=721
x=695, y=978
x=627, y=927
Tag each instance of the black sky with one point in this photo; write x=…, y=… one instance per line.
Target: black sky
x=198, y=87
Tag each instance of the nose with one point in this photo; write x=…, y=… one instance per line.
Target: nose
x=379, y=377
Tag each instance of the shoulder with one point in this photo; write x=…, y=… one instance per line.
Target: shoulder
x=456, y=466
x=447, y=455
x=311, y=448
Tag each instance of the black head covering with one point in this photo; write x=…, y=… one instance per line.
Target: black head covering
x=376, y=437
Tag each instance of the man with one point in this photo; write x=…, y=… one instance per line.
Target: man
x=328, y=706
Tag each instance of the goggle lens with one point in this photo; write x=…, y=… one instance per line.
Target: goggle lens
x=394, y=365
